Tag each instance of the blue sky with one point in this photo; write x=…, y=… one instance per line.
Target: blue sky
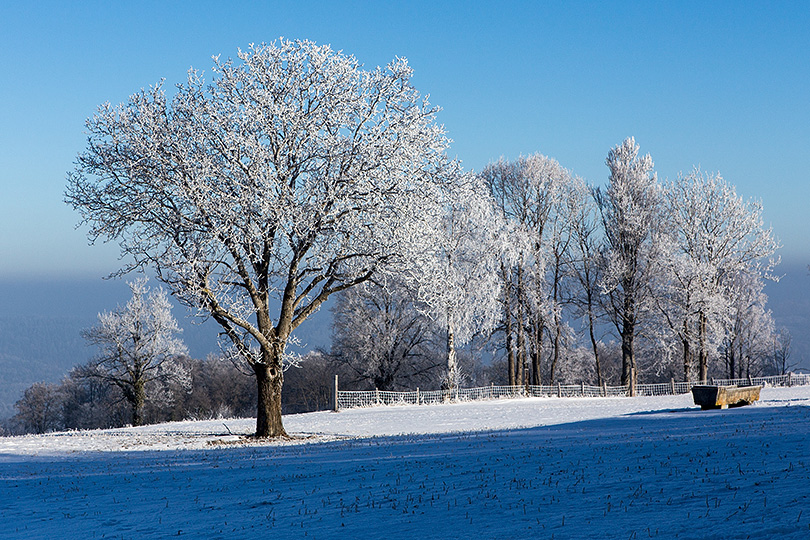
x=723, y=85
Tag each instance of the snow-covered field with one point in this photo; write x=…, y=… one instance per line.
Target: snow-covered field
x=534, y=468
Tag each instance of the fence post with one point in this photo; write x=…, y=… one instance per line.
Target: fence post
x=582, y=386
x=790, y=378
x=672, y=385
x=337, y=405
x=377, y=395
x=417, y=395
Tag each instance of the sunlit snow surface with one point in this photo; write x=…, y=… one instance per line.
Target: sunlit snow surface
x=534, y=468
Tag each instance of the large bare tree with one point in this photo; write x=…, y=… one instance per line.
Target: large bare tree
x=293, y=175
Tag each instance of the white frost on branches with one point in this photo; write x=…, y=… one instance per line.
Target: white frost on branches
x=630, y=210
x=457, y=281
x=716, y=237
x=294, y=174
x=138, y=347
x=382, y=338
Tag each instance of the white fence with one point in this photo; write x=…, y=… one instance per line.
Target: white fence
x=348, y=399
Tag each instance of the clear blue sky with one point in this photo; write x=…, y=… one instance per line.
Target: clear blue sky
x=723, y=85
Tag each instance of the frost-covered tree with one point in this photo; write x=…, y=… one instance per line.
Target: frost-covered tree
x=501, y=178
x=630, y=210
x=716, y=237
x=90, y=402
x=293, y=175
x=586, y=271
x=750, y=327
x=780, y=357
x=138, y=347
x=380, y=335
x=458, y=282
x=534, y=194
x=563, y=238
x=39, y=410
x=543, y=187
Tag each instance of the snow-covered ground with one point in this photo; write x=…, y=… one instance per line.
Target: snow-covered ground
x=544, y=468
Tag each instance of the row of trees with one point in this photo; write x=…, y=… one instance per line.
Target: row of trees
x=295, y=175
x=141, y=374
x=674, y=271
x=217, y=389
x=84, y=401
x=678, y=265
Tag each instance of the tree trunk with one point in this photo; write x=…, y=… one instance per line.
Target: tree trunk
x=556, y=356
x=537, y=358
x=510, y=350
x=138, y=401
x=269, y=379
x=521, y=349
x=627, y=334
x=452, y=381
x=730, y=361
x=686, y=362
x=594, y=344
x=557, y=323
x=627, y=355
x=703, y=356
x=507, y=313
x=521, y=340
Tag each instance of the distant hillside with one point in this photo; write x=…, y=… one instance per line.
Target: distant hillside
x=34, y=349
x=789, y=300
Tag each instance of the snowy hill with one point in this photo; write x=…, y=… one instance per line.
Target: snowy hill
x=561, y=468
